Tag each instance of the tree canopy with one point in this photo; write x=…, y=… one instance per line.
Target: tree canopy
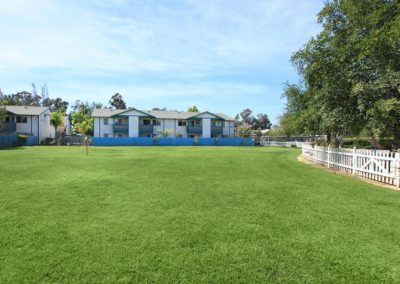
x=260, y=121
x=193, y=109
x=350, y=73
x=117, y=101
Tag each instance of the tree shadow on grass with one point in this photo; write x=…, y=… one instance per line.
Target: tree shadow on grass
x=11, y=148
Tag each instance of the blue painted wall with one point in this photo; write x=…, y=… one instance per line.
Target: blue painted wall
x=145, y=141
x=8, y=140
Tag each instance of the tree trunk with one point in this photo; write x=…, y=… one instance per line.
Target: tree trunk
x=396, y=140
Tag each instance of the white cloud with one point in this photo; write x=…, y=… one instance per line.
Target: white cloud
x=188, y=41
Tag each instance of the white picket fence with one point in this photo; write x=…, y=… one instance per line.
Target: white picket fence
x=379, y=165
x=281, y=143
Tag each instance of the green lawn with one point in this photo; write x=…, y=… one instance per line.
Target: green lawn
x=190, y=214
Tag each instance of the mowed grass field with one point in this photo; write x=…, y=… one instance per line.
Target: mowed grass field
x=190, y=215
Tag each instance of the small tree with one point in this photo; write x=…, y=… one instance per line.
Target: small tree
x=165, y=133
x=56, y=120
x=244, y=131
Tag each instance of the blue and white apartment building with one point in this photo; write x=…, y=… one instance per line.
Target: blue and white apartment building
x=138, y=123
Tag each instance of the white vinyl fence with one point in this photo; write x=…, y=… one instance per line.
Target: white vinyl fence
x=378, y=165
x=281, y=143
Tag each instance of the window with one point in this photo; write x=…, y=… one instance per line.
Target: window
x=218, y=123
x=156, y=122
x=22, y=119
x=194, y=122
x=146, y=122
x=8, y=119
x=105, y=134
x=119, y=135
x=181, y=122
x=105, y=121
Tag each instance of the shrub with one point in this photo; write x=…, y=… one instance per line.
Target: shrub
x=244, y=131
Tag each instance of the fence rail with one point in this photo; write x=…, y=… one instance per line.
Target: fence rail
x=379, y=165
x=281, y=143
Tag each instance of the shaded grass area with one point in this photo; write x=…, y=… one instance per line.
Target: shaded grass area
x=190, y=214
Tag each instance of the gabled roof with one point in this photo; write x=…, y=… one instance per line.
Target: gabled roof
x=161, y=114
x=107, y=112
x=205, y=112
x=26, y=110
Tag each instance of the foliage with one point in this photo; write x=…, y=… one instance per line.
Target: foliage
x=193, y=109
x=56, y=105
x=244, y=131
x=22, y=137
x=82, y=123
x=81, y=116
x=3, y=114
x=117, y=101
x=165, y=133
x=56, y=120
x=261, y=121
x=23, y=98
x=351, y=72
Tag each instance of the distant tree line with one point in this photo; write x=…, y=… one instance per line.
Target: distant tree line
x=350, y=74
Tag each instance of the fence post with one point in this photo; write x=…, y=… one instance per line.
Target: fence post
x=329, y=156
x=397, y=169
x=354, y=168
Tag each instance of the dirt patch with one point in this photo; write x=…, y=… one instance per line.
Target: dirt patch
x=300, y=158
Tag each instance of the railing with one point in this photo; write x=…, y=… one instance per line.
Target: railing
x=379, y=165
x=281, y=143
x=215, y=130
x=119, y=127
x=194, y=130
x=145, y=129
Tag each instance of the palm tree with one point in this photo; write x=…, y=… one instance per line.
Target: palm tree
x=165, y=133
x=56, y=120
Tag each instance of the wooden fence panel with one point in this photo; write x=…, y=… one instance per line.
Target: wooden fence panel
x=379, y=165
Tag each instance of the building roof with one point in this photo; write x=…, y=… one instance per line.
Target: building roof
x=26, y=110
x=106, y=112
x=162, y=114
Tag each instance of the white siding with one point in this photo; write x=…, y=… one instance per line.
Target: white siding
x=133, y=126
x=106, y=129
x=229, y=129
x=206, y=128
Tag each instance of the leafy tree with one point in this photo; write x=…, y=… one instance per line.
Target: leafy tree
x=117, y=101
x=351, y=71
x=81, y=117
x=193, y=109
x=244, y=131
x=3, y=114
x=82, y=123
x=23, y=98
x=262, y=122
x=246, y=116
x=56, y=105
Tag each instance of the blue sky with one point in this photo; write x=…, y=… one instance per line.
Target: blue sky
x=220, y=55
